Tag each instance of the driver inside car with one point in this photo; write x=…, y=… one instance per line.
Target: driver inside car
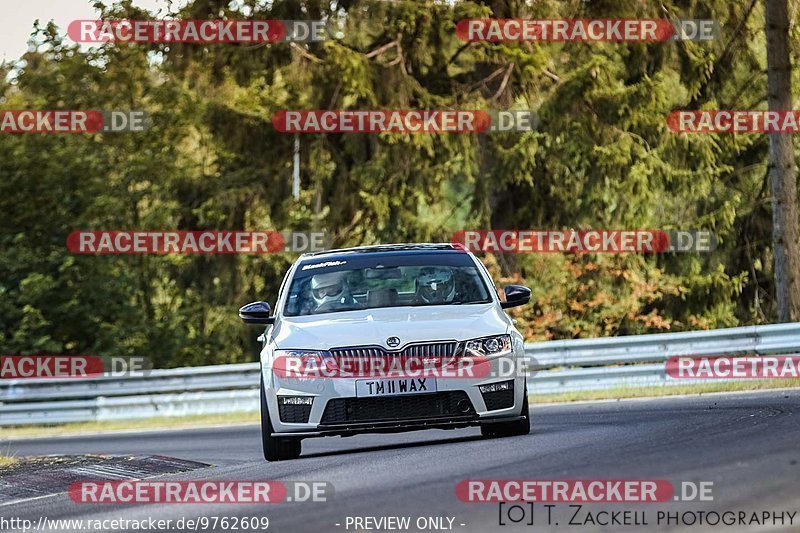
x=331, y=292
x=435, y=285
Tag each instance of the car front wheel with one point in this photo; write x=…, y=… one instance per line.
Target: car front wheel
x=513, y=428
x=275, y=448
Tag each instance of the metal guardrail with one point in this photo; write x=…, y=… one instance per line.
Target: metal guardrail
x=638, y=360
x=747, y=340
x=561, y=366
x=130, y=407
x=202, y=378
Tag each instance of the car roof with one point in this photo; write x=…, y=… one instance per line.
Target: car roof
x=386, y=249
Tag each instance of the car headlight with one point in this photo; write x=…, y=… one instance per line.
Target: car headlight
x=301, y=353
x=294, y=363
x=488, y=345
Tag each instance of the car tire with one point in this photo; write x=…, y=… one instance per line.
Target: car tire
x=514, y=428
x=276, y=448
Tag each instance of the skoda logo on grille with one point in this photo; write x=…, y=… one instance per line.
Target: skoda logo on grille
x=393, y=342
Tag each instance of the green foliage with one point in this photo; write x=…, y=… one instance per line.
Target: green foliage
x=601, y=158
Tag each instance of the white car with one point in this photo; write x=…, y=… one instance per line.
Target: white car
x=388, y=303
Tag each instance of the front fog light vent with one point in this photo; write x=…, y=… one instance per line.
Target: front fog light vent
x=295, y=409
x=498, y=395
x=296, y=400
x=496, y=387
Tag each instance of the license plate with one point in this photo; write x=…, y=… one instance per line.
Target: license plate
x=394, y=387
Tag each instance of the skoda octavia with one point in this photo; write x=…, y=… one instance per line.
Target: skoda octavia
x=343, y=318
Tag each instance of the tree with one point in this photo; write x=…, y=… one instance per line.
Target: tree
x=782, y=172
x=602, y=157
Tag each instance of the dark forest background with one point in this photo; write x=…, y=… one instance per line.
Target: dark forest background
x=602, y=157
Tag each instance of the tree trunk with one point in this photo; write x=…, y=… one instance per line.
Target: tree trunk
x=782, y=165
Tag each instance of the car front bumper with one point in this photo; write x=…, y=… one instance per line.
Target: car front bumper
x=337, y=410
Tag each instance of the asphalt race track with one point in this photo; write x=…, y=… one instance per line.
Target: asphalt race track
x=748, y=445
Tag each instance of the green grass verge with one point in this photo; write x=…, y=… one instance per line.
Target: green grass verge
x=7, y=461
x=148, y=423
x=672, y=390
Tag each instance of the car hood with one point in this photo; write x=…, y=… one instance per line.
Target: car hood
x=375, y=326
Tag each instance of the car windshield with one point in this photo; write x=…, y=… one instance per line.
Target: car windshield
x=370, y=281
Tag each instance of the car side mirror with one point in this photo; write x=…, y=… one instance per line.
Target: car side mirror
x=516, y=295
x=256, y=313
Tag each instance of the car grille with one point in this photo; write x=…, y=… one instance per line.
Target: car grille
x=430, y=349
x=391, y=408
x=501, y=399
